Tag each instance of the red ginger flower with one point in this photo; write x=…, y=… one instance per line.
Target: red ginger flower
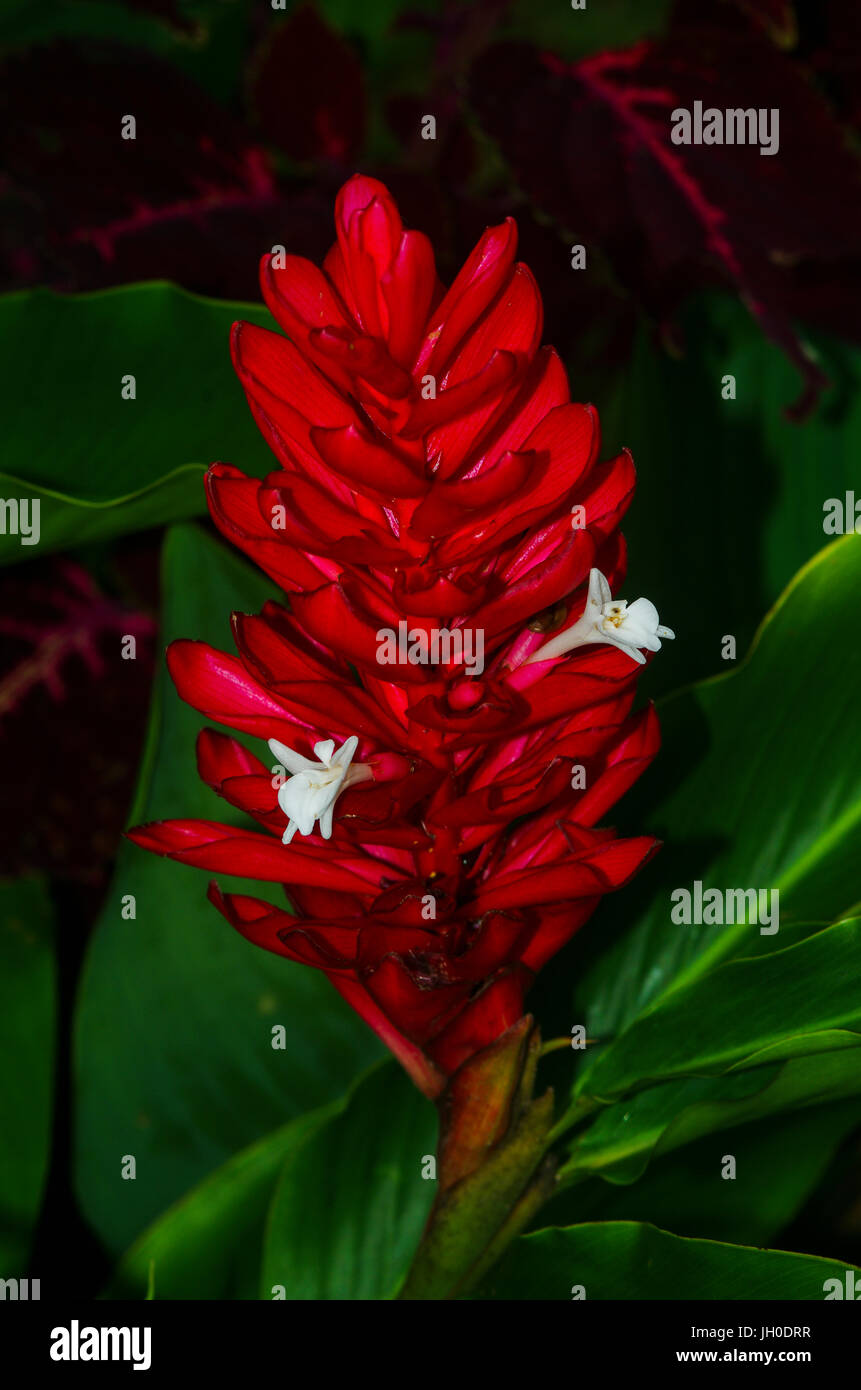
x=449, y=544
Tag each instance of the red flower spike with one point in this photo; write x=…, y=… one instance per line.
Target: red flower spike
x=448, y=658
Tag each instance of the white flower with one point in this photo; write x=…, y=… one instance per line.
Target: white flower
x=311, y=791
x=605, y=619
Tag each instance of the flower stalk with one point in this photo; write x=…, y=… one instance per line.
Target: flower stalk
x=493, y=1172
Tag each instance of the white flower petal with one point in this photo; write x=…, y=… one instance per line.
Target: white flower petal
x=623, y=646
x=630, y=628
x=599, y=589
x=309, y=795
x=644, y=613
x=345, y=753
x=294, y=762
x=324, y=750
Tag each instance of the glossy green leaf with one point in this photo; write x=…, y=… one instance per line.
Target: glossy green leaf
x=175, y=1064
x=800, y=1000
x=209, y=1244
x=351, y=1204
x=27, y=1030
x=779, y=1161
x=762, y=784
x=624, y=1136
x=99, y=465
x=631, y=1260
x=730, y=493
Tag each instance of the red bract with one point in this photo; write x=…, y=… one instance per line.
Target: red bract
x=435, y=517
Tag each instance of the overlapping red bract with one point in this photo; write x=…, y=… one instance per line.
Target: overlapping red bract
x=444, y=512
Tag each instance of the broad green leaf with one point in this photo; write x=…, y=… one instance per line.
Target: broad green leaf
x=100, y=465
x=784, y=1004
x=175, y=1064
x=209, y=1244
x=624, y=1136
x=27, y=1030
x=779, y=1161
x=351, y=1204
x=763, y=790
x=631, y=1260
x=730, y=493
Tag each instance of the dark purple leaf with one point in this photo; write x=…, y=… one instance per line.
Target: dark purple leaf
x=308, y=92
x=590, y=143
x=83, y=206
x=72, y=715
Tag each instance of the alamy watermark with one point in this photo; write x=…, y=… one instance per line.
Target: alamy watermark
x=76, y=1343
x=431, y=647
x=717, y=907
x=733, y=126
x=20, y=516
x=842, y=515
x=23, y=1290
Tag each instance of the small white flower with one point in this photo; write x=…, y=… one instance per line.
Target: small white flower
x=605, y=619
x=311, y=791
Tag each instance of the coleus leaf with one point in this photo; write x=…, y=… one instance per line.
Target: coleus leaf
x=591, y=143
x=68, y=700
x=183, y=200
x=775, y=17
x=308, y=90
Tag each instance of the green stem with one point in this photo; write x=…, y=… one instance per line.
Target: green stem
x=533, y=1199
x=492, y=1172
x=579, y=1111
x=476, y=1218
x=557, y=1044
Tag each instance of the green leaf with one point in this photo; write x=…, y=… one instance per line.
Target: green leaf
x=762, y=790
x=779, y=1161
x=631, y=1260
x=800, y=1000
x=99, y=465
x=173, y=1041
x=27, y=1037
x=729, y=503
x=351, y=1204
x=624, y=1137
x=209, y=1244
